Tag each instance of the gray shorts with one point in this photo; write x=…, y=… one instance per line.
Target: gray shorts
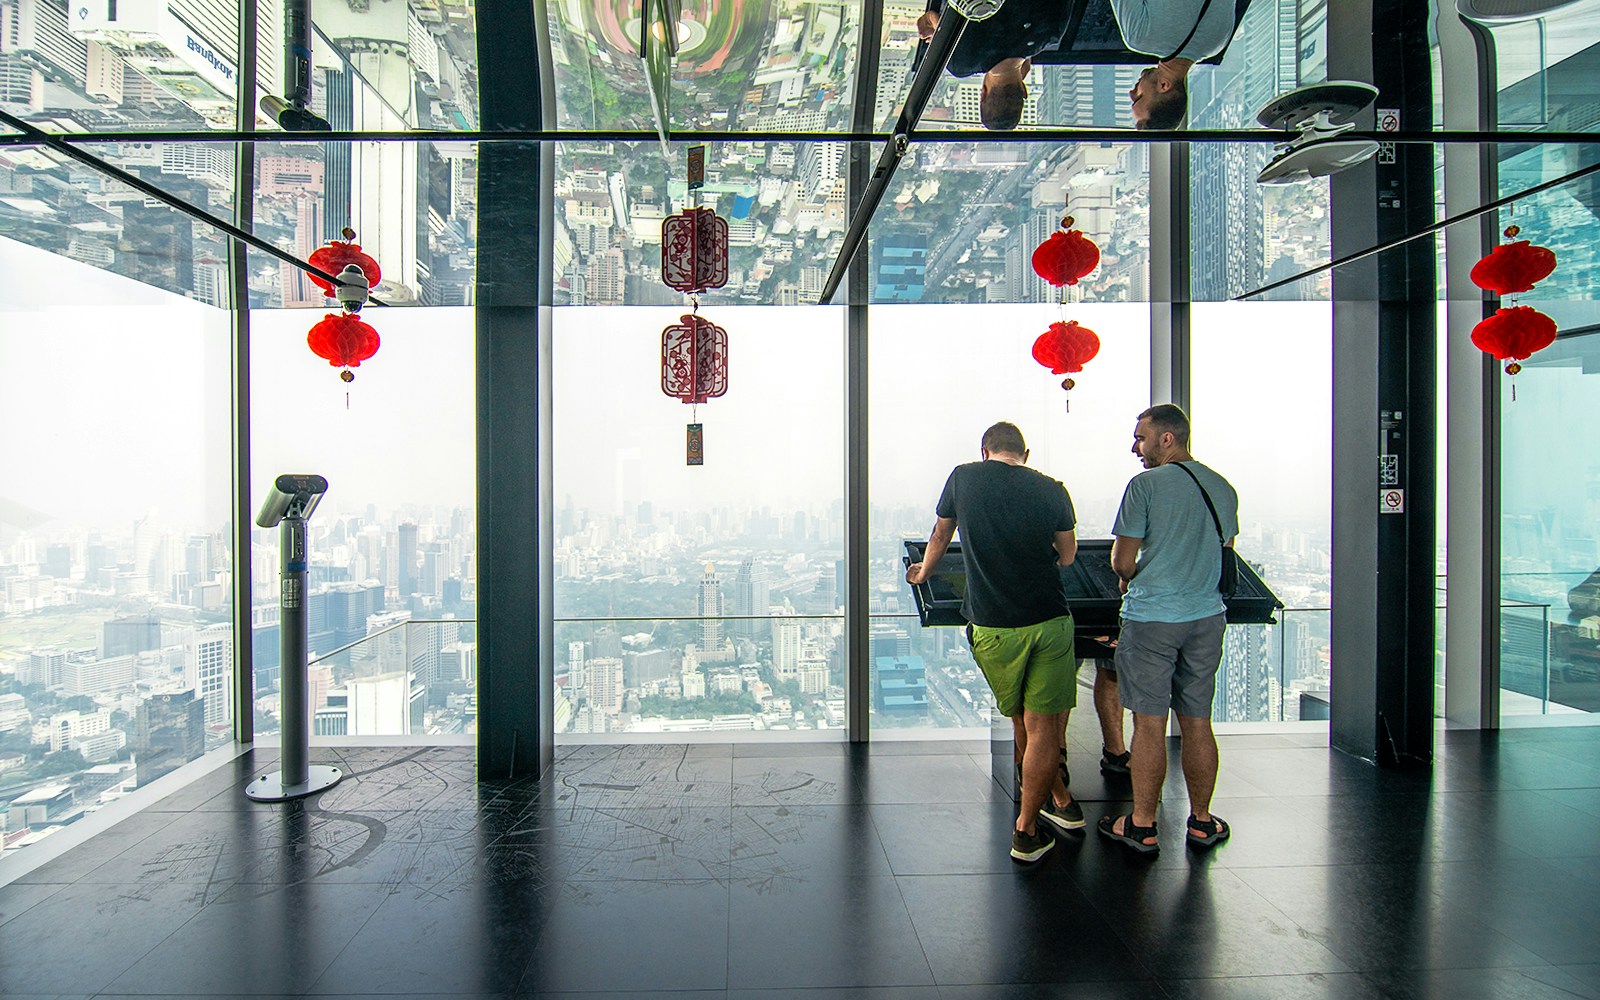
x=1162, y=665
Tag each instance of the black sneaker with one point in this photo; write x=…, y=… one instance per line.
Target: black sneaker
x=1067, y=817
x=1115, y=763
x=1031, y=848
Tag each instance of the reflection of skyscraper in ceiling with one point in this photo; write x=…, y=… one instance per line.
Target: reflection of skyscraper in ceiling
x=188, y=48
x=1225, y=199
x=377, y=41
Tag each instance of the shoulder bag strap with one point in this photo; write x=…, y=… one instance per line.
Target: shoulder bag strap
x=1175, y=52
x=1215, y=520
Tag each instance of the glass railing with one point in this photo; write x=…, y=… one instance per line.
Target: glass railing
x=409, y=678
x=755, y=674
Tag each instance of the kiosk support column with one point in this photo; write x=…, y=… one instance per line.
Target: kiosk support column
x=288, y=506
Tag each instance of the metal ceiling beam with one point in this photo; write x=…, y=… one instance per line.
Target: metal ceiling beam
x=934, y=61
x=1019, y=136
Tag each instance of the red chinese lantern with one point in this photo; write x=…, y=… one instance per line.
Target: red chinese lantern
x=1515, y=333
x=694, y=250
x=1066, y=256
x=336, y=255
x=344, y=340
x=1066, y=347
x=1513, y=267
x=694, y=359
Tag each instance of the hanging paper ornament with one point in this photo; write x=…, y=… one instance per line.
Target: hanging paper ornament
x=694, y=250
x=1066, y=347
x=1515, y=333
x=1513, y=267
x=694, y=359
x=336, y=256
x=1066, y=257
x=344, y=340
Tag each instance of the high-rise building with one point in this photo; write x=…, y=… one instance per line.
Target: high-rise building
x=752, y=590
x=785, y=646
x=126, y=636
x=406, y=556
x=575, y=662
x=709, y=608
x=605, y=685
x=208, y=672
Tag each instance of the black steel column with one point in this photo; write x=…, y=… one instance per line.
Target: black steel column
x=1384, y=400
x=515, y=673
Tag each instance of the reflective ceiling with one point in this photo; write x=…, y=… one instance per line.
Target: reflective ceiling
x=743, y=66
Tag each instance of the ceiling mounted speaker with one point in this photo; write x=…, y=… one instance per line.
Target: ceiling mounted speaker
x=1506, y=11
x=1315, y=117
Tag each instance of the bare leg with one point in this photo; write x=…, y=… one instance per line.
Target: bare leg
x=1199, y=763
x=1108, y=706
x=1148, y=765
x=1039, y=760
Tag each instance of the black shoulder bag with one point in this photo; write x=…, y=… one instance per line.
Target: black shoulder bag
x=1228, y=579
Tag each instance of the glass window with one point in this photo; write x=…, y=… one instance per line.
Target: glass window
x=412, y=205
x=740, y=67
x=116, y=634
x=1283, y=351
x=935, y=385
x=693, y=598
x=960, y=222
x=393, y=549
x=84, y=215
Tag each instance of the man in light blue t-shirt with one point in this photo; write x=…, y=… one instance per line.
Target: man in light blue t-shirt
x=1179, y=33
x=1168, y=556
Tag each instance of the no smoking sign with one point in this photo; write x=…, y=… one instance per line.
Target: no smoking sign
x=1391, y=501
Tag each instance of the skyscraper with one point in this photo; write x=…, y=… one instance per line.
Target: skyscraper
x=752, y=591
x=710, y=611
x=406, y=543
x=208, y=668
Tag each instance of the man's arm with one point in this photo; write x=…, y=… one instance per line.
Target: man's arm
x=1066, y=547
x=1125, y=559
x=944, y=530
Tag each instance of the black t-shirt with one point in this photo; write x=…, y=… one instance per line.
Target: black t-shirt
x=1022, y=28
x=1008, y=516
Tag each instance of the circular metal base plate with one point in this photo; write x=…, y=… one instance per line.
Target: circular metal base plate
x=1341, y=99
x=270, y=787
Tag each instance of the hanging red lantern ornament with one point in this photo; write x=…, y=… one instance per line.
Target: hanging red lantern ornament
x=694, y=369
x=694, y=250
x=1515, y=334
x=344, y=340
x=1066, y=257
x=1065, y=348
x=336, y=256
x=1513, y=267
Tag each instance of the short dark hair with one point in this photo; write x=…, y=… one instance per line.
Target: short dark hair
x=1167, y=109
x=1000, y=107
x=1004, y=436
x=1169, y=418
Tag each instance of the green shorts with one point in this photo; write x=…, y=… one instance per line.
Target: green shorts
x=1030, y=667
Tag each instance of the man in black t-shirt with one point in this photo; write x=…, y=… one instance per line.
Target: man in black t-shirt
x=1016, y=529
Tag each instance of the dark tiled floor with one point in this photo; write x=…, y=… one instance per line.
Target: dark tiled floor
x=826, y=872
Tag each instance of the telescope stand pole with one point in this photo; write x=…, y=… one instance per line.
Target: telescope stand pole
x=297, y=778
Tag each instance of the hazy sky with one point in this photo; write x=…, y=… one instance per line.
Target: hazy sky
x=116, y=398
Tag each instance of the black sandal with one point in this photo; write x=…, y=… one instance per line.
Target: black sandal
x=1115, y=764
x=1211, y=831
x=1132, y=835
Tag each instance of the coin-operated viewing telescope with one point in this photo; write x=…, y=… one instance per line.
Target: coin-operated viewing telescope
x=288, y=506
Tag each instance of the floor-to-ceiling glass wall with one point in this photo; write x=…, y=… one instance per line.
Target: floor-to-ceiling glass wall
x=1550, y=514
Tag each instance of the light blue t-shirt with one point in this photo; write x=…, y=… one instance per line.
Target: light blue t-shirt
x=1179, y=556
x=1157, y=27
